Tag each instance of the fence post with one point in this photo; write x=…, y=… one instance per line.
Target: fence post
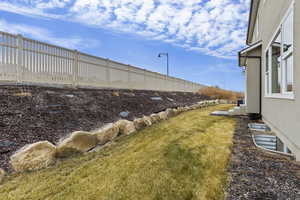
x=145, y=81
x=108, y=82
x=19, y=58
x=75, y=68
x=128, y=77
x=166, y=83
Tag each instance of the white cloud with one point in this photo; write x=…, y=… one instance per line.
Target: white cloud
x=215, y=27
x=44, y=35
x=50, y=3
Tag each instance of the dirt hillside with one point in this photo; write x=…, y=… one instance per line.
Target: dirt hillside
x=29, y=114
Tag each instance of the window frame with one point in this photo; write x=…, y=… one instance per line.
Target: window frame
x=257, y=26
x=268, y=79
x=267, y=72
x=284, y=56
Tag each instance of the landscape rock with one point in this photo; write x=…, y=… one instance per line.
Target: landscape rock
x=70, y=95
x=77, y=142
x=23, y=94
x=176, y=111
x=131, y=94
x=180, y=109
x=200, y=104
x=170, y=112
x=125, y=127
x=124, y=114
x=106, y=133
x=139, y=123
x=185, y=108
x=188, y=108
x=116, y=94
x=163, y=115
x=6, y=143
x=211, y=102
x=154, y=118
x=194, y=107
x=2, y=174
x=147, y=120
x=156, y=98
x=33, y=156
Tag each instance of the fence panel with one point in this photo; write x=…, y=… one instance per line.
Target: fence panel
x=92, y=71
x=31, y=61
x=8, y=57
x=119, y=75
x=44, y=63
x=136, y=78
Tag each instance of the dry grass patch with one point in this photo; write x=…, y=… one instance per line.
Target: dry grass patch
x=218, y=93
x=182, y=158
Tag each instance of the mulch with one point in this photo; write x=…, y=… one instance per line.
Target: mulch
x=258, y=175
x=30, y=114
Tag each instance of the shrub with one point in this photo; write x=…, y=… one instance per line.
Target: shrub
x=218, y=93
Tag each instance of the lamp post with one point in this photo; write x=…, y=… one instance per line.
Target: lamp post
x=165, y=54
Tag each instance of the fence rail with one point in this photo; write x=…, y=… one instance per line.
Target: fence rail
x=23, y=60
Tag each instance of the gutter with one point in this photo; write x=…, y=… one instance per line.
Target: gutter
x=249, y=21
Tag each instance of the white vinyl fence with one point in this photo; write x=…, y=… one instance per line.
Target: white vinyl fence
x=24, y=60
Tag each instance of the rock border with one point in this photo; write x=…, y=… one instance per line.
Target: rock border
x=26, y=159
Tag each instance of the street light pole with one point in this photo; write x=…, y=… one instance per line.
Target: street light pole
x=165, y=54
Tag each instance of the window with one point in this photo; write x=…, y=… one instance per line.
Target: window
x=279, y=60
x=275, y=64
x=287, y=55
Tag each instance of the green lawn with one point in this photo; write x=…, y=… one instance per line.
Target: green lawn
x=182, y=158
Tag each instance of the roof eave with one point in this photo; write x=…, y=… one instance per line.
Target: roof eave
x=243, y=54
x=251, y=18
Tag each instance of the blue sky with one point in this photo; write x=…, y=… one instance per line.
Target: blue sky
x=202, y=37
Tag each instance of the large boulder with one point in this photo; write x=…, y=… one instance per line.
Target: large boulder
x=180, y=109
x=177, y=111
x=76, y=142
x=193, y=107
x=214, y=102
x=163, y=115
x=170, y=112
x=202, y=104
x=147, y=120
x=107, y=133
x=154, y=118
x=174, y=110
x=33, y=156
x=139, y=123
x=184, y=109
x=125, y=127
x=2, y=174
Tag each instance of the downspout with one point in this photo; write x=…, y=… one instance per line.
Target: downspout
x=260, y=77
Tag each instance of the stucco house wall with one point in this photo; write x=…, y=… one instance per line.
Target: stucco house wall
x=281, y=114
x=253, y=84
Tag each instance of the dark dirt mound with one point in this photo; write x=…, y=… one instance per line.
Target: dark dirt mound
x=29, y=114
x=258, y=175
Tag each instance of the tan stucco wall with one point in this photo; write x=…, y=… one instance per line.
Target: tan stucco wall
x=283, y=115
x=252, y=83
